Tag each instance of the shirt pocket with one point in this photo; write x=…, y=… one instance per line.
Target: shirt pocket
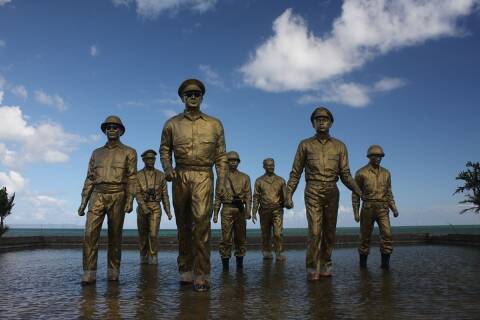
x=118, y=170
x=313, y=163
x=206, y=148
x=181, y=148
x=332, y=161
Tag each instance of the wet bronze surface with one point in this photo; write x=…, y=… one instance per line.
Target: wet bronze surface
x=40, y=284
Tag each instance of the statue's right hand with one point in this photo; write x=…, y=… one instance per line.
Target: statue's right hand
x=81, y=210
x=289, y=203
x=215, y=217
x=254, y=217
x=357, y=216
x=170, y=174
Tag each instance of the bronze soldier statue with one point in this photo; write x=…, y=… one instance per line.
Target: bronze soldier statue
x=108, y=189
x=197, y=142
x=236, y=204
x=377, y=199
x=151, y=190
x=269, y=198
x=325, y=159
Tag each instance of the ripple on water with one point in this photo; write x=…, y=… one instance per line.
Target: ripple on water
x=424, y=282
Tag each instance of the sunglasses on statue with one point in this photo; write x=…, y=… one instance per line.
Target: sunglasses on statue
x=191, y=94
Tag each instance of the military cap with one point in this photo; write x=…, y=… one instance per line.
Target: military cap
x=233, y=155
x=321, y=112
x=191, y=84
x=113, y=120
x=375, y=150
x=149, y=152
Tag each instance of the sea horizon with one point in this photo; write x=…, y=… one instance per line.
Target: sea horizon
x=76, y=230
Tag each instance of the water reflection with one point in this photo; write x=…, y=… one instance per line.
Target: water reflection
x=112, y=298
x=147, y=307
x=88, y=302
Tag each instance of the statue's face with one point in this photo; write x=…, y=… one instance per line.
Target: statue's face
x=113, y=131
x=322, y=124
x=233, y=164
x=375, y=159
x=192, y=99
x=269, y=167
x=149, y=161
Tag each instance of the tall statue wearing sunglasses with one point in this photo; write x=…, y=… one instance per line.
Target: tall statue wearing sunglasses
x=197, y=142
x=108, y=189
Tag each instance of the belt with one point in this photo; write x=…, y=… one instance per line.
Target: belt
x=322, y=183
x=194, y=168
x=109, y=188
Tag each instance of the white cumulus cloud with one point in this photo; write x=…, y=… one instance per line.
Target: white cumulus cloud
x=4, y=2
x=20, y=91
x=1, y=96
x=151, y=9
x=24, y=143
x=53, y=100
x=296, y=59
x=351, y=93
x=13, y=180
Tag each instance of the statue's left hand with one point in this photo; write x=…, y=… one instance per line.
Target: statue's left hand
x=169, y=215
x=128, y=207
x=395, y=213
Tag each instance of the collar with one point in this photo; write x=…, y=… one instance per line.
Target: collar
x=185, y=114
x=113, y=146
x=327, y=138
x=373, y=170
x=269, y=179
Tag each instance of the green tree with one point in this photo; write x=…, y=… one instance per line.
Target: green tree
x=6, y=205
x=471, y=187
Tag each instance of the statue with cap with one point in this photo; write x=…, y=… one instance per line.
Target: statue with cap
x=377, y=199
x=195, y=141
x=108, y=190
x=325, y=160
x=236, y=204
x=150, y=191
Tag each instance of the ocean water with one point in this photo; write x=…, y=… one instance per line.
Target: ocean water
x=424, y=282
x=435, y=230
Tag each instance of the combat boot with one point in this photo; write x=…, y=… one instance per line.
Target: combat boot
x=225, y=263
x=363, y=260
x=385, y=261
x=239, y=262
x=267, y=255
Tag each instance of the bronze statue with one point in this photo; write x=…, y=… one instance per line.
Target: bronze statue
x=377, y=199
x=197, y=142
x=236, y=205
x=325, y=159
x=151, y=190
x=109, y=189
x=268, y=200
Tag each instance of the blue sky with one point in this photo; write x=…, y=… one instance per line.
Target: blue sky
x=400, y=74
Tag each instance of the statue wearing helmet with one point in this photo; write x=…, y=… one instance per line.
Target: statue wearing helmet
x=325, y=160
x=108, y=189
x=377, y=200
x=235, y=203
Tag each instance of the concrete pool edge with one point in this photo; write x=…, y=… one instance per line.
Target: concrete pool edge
x=131, y=242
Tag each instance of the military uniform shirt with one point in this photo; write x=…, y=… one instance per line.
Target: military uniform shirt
x=324, y=161
x=147, y=179
x=111, y=167
x=243, y=189
x=195, y=142
x=375, y=185
x=269, y=192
